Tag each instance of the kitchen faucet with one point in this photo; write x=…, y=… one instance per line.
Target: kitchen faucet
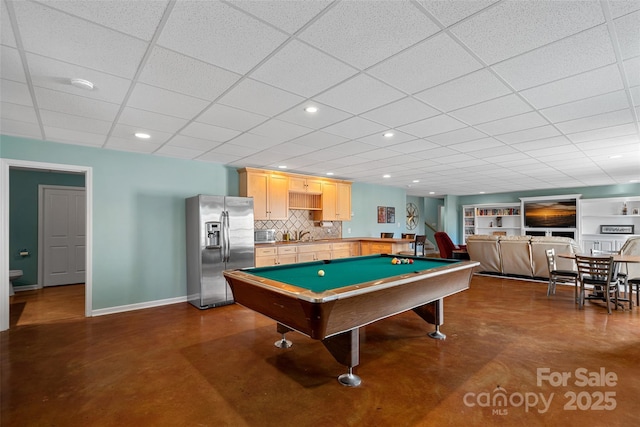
x=302, y=233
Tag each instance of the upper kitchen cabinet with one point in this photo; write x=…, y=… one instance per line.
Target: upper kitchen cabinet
x=336, y=202
x=301, y=184
x=270, y=192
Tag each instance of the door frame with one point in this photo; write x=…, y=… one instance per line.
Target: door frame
x=5, y=165
x=41, y=213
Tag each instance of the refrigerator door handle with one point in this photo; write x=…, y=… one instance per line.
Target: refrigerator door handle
x=227, y=239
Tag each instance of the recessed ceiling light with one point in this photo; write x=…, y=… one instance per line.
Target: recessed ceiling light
x=329, y=173
x=416, y=180
x=311, y=109
x=82, y=84
x=387, y=134
x=481, y=192
x=282, y=167
x=142, y=135
x=615, y=156
x=634, y=180
x=432, y=192
x=386, y=176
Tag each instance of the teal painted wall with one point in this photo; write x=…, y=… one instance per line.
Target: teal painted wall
x=365, y=199
x=138, y=215
x=23, y=217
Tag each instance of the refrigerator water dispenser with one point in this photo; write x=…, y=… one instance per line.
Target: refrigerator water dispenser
x=212, y=230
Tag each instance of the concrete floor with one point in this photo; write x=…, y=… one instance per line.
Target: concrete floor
x=512, y=357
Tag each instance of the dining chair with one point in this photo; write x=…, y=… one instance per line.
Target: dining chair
x=622, y=275
x=632, y=247
x=600, y=273
x=418, y=246
x=563, y=275
x=386, y=235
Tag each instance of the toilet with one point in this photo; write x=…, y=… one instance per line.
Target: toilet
x=13, y=275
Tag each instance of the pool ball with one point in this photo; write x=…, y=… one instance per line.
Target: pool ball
x=320, y=273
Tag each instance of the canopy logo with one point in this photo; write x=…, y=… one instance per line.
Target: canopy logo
x=499, y=400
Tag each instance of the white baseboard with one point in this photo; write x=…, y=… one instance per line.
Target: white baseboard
x=20, y=288
x=138, y=306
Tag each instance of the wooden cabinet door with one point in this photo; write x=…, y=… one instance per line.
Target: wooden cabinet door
x=258, y=188
x=314, y=186
x=329, y=204
x=343, y=202
x=278, y=197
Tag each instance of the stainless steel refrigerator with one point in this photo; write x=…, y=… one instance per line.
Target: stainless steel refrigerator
x=219, y=236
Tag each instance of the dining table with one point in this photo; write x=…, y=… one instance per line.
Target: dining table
x=617, y=257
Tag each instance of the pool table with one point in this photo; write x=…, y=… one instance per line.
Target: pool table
x=351, y=293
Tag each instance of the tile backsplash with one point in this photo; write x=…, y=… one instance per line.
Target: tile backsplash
x=301, y=220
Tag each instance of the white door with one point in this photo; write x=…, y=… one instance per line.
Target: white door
x=64, y=217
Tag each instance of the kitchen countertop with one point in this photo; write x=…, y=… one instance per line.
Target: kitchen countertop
x=338, y=240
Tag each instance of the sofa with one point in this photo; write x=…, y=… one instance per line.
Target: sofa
x=522, y=256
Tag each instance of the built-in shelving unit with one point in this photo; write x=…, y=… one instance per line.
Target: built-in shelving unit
x=497, y=218
x=605, y=224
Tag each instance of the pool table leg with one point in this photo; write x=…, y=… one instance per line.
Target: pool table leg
x=284, y=342
x=433, y=313
x=345, y=348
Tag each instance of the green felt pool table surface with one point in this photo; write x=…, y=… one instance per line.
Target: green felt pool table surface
x=344, y=272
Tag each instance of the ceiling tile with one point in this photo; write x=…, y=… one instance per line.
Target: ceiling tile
x=537, y=133
x=512, y=124
x=215, y=157
x=57, y=35
x=604, y=120
x=471, y=89
x=150, y=98
x=512, y=28
x=325, y=115
x=73, y=136
x=603, y=133
x=355, y=127
x=11, y=65
x=303, y=70
x=260, y=98
x=379, y=140
x=506, y=106
x=476, y=145
x=632, y=71
x=67, y=121
x=540, y=143
x=75, y=105
x=398, y=113
x=179, y=73
x=151, y=121
x=622, y=7
x=457, y=136
x=319, y=139
x=359, y=94
x=628, y=33
x=178, y=152
x=23, y=113
x=432, y=126
x=573, y=55
x=56, y=75
x=196, y=144
x=587, y=107
x=138, y=18
x=590, y=83
x=362, y=35
x=210, y=132
x=126, y=144
x=230, y=118
x=237, y=42
x=15, y=92
x=425, y=65
x=6, y=30
x=20, y=128
x=450, y=12
x=289, y=16
x=280, y=131
x=122, y=132
x=256, y=142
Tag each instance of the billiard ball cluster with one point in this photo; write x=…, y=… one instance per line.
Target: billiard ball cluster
x=401, y=261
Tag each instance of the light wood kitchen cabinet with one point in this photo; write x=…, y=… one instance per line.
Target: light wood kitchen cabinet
x=316, y=252
x=343, y=250
x=270, y=192
x=370, y=248
x=299, y=184
x=336, y=202
x=275, y=256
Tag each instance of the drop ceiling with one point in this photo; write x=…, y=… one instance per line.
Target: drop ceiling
x=481, y=96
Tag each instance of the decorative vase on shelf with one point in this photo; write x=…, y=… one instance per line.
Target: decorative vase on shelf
x=624, y=209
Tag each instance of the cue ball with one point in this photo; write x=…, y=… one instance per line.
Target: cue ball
x=320, y=273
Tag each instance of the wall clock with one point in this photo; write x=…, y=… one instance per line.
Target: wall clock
x=412, y=216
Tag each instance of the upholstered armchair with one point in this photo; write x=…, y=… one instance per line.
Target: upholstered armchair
x=446, y=246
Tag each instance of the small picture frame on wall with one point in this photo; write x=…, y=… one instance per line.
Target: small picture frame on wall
x=616, y=229
x=382, y=214
x=391, y=214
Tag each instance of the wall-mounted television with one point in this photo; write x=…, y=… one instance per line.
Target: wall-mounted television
x=557, y=213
